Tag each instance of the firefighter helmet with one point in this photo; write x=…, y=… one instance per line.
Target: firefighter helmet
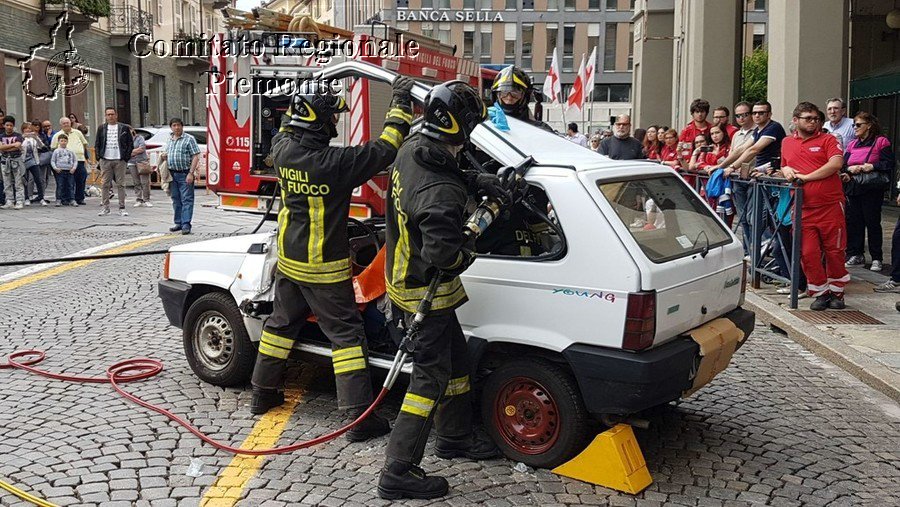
x=314, y=112
x=452, y=111
x=515, y=81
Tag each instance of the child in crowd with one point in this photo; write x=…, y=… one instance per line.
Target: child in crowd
x=63, y=163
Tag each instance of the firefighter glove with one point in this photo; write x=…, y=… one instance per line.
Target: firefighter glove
x=489, y=185
x=401, y=89
x=465, y=258
x=511, y=182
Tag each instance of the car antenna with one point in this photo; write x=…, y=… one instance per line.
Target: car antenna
x=705, y=251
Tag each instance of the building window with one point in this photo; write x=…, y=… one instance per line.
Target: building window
x=444, y=33
x=122, y=74
x=468, y=42
x=444, y=4
x=187, y=102
x=568, y=48
x=759, y=5
x=486, y=37
x=570, y=5
x=552, y=36
x=759, y=35
x=509, y=44
x=157, y=99
x=527, y=5
x=156, y=10
x=593, y=5
x=468, y=4
x=612, y=5
x=553, y=5
x=511, y=5
x=527, y=42
x=403, y=4
x=593, y=31
x=486, y=5
x=630, y=46
x=427, y=4
x=609, y=48
x=428, y=30
x=403, y=25
x=620, y=93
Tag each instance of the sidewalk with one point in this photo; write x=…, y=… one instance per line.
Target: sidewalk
x=867, y=350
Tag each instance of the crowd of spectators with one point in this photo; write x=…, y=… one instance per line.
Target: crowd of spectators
x=32, y=152
x=845, y=165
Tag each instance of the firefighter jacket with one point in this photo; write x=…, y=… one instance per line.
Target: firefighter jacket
x=425, y=218
x=317, y=181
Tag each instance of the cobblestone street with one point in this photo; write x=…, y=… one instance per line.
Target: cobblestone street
x=779, y=427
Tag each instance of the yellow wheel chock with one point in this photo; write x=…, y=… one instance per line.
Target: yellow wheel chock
x=613, y=460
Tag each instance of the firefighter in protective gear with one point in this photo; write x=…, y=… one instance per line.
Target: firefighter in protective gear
x=424, y=234
x=512, y=90
x=313, y=274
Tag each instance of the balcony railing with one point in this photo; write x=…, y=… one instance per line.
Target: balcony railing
x=127, y=21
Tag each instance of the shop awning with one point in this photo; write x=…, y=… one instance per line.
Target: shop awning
x=881, y=82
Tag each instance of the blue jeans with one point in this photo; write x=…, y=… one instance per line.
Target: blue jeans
x=65, y=182
x=182, y=200
x=78, y=181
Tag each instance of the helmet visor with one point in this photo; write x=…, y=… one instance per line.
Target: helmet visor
x=512, y=95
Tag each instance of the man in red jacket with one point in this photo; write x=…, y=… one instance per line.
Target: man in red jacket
x=815, y=158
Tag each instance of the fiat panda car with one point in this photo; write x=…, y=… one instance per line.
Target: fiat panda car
x=631, y=297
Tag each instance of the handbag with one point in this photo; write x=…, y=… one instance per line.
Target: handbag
x=863, y=183
x=144, y=168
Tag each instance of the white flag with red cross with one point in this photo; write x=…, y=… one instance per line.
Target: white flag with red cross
x=552, y=85
x=576, y=94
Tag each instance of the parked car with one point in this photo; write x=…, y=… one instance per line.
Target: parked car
x=156, y=139
x=630, y=299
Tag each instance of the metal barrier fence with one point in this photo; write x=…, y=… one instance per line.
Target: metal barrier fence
x=769, y=234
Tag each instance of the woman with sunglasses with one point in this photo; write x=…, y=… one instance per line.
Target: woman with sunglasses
x=869, y=153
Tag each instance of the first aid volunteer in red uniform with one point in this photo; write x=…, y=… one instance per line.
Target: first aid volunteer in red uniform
x=815, y=158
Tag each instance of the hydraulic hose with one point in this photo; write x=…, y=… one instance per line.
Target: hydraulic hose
x=131, y=370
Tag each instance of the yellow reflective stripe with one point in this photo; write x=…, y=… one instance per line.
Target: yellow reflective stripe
x=458, y=386
x=393, y=136
x=448, y=295
x=283, y=218
x=319, y=267
x=269, y=350
x=313, y=276
x=401, y=251
x=398, y=113
x=278, y=341
x=347, y=353
x=350, y=365
x=417, y=405
x=393, y=142
x=316, y=228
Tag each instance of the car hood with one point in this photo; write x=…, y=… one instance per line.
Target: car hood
x=231, y=244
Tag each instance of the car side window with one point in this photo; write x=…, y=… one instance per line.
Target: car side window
x=528, y=230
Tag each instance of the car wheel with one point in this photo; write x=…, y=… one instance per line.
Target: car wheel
x=533, y=410
x=216, y=342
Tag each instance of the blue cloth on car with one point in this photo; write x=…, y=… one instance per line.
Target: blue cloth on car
x=498, y=117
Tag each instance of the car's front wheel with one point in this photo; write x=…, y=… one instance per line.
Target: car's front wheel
x=533, y=410
x=216, y=342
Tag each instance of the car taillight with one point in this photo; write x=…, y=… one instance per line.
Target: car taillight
x=166, y=267
x=743, y=282
x=153, y=146
x=640, y=321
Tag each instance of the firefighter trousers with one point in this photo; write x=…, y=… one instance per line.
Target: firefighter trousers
x=334, y=306
x=824, y=236
x=438, y=393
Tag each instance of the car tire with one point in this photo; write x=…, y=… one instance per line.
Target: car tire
x=533, y=410
x=216, y=342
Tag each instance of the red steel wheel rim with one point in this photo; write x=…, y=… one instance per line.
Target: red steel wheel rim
x=526, y=416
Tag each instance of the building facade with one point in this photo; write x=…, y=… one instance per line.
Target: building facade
x=144, y=91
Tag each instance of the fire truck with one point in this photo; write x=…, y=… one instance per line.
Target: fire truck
x=241, y=125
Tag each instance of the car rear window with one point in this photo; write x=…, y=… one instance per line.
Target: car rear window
x=664, y=216
x=199, y=135
x=144, y=133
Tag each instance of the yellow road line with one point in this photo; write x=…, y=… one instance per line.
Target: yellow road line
x=62, y=268
x=233, y=479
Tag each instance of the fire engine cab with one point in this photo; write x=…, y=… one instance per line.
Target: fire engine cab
x=241, y=125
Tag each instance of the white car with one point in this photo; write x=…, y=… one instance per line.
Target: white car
x=630, y=299
x=156, y=139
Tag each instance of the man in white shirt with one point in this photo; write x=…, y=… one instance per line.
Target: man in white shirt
x=743, y=135
x=838, y=123
x=573, y=135
x=113, y=145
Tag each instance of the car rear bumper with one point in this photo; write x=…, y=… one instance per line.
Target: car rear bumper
x=174, y=295
x=620, y=382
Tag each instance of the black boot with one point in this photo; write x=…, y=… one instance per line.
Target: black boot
x=265, y=399
x=821, y=303
x=478, y=447
x=402, y=480
x=371, y=427
x=836, y=302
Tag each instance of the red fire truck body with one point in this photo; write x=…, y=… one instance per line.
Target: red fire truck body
x=240, y=125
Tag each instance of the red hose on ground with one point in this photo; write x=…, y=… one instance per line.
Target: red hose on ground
x=131, y=370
